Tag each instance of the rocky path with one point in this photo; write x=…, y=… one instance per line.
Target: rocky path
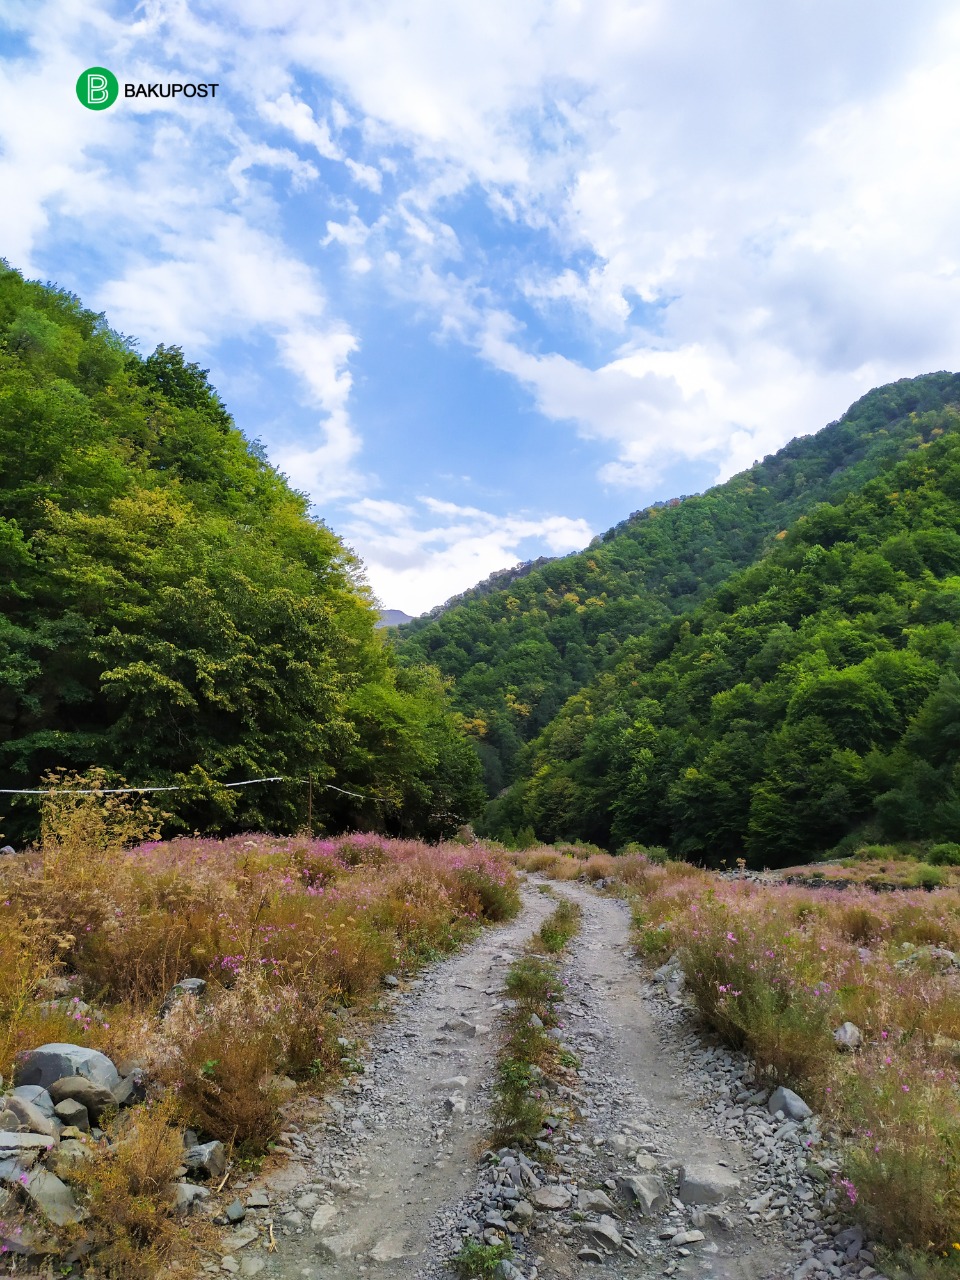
x=392, y=1184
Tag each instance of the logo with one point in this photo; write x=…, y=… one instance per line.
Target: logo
x=98, y=88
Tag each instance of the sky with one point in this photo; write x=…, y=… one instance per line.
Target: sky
x=485, y=278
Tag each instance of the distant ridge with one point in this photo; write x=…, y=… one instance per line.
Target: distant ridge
x=392, y=618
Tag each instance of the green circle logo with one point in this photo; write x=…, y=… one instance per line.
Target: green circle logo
x=97, y=88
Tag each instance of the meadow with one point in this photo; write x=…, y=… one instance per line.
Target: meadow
x=776, y=969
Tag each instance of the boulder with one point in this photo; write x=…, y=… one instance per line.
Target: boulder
x=848, y=1036
x=185, y=987
x=55, y=1061
x=550, y=1197
x=595, y=1202
x=707, y=1184
x=790, y=1103
x=9, y=1123
x=53, y=1198
x=131, y=1090
x=73, y=1114
x=6, y=850
x=36, y=1094
x=95, y=1098
x=646, y=1191
x=207, y=1159
x=30, y=1118
x=187, y=1197
x=69, y=1154
x=604, y=1232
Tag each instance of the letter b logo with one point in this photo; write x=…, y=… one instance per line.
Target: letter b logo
x=97, y=88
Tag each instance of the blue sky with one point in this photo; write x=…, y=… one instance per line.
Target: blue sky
x=486, y=278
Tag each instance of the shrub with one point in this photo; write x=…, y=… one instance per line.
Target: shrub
x=477, y=1261
x=944, y=855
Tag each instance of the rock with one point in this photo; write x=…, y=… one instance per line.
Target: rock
x=595, y=1202
x=551, y=1197
x=850, y=1242
x=31, y=1119
x=131, y=1090
x=53, y=1198
x=36, y=1094
x=14, y=1144
x=590, y=1255
x=790, y=1103
x=95, y=1098
x=848, y=1036
x=230, y=1265
x=391, y=1248
x=535, y=1022
x=259, y=1200
x=251, y=1266
x=73, y=1114
x=236, y=1240
x=7, y=850
x=235, y=1212
x=707, y=1184
x=55, y=1061
x=323, y=1217
x=522, y=1211
x=187, y=1196
x=604, y=1232
x=185, y=987
x=9, y=1122
x=71, y=1153
x=646, y=1191
x=208, y=1159
x=505, y=1270
x=390, y=980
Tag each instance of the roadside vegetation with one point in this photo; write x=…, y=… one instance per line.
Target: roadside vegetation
x=293, y=935
x=777, y=969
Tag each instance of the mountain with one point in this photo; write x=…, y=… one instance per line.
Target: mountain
x=521, y=644
x=392, y=618
x=168, y=610
x=811, y=702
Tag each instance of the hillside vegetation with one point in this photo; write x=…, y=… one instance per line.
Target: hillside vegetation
x=168, y=609
x=522, y=643
x=812, y=699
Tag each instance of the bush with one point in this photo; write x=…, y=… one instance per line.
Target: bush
x=924, y=876
x=944, y=855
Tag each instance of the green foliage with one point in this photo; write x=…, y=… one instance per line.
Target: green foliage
x=813, y=696
x=169, y=610
x=477, y=1261
x=523, y=644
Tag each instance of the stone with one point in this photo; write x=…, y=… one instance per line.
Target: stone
x=604, y=1232
x=646, y=1191
x=185, y=987
x=53, y=1198
x=258, y=1200
x=590, y=1255
x=9, y=1122
x=391, y=1248
x=131, y=1089
x=522, y=1211
x=73, y=1114
x=551, y=1197
x=71, y=1153
x=36, y=1094
x=14, y=1144
x=790, y=1103
x=390, y=980
x=595, y=1202
x=7, y=850
x=505, y=1270
x=234, y=1241
x=206, y=1159
x=187, y=1197
x=235, y=1212
x=323, y=1217
x=707, y=1184
x=251, y=1266
x=96, y=1098
x=230, y=1265
x=55, y=1061
x=848, y=1036
x=30, y=1118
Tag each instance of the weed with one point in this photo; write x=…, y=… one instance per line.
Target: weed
x=479, y=1261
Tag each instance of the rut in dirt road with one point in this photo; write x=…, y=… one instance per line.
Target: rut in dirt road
x=402, y=1140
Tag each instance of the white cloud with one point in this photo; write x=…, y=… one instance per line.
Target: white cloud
x=417, y=557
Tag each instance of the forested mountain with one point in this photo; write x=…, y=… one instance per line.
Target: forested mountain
x=813, y=697
x=169, y=611
x=521, y=644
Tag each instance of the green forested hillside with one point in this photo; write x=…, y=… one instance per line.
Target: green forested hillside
x=519, y=651
x=169, y=611
x=813, y=696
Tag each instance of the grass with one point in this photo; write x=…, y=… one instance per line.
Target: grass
x=776, y=967
x=479, y=1261
x=528, y=1054
x=294, y=935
